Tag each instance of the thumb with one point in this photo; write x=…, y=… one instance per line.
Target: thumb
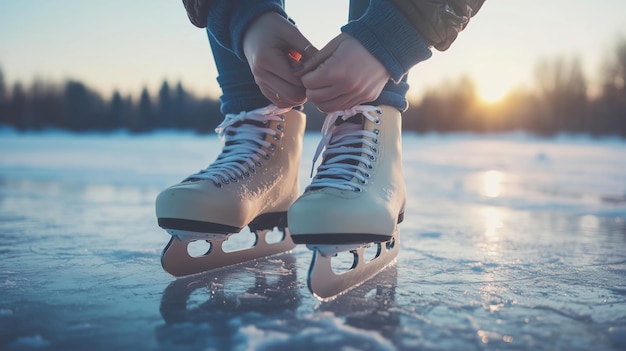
x=299, y=47
x=317, y=57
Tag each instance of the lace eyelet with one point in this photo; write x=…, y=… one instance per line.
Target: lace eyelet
x=282, y=118
x=276, y=138
x=217, y=185
x=267, y=157
x=259, y=164
x=376, y=131
x=279, y=127
x=372, y=157
x=367, y=175
x=370, y=167
x=357, y=190
x=376, y=141
x=272, y=147
x=379, y=112
x=377, y=121
x=374, y=149
x=225, y=181
x=363, y=181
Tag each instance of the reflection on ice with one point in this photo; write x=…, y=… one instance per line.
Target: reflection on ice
x=264, y=286
x=589, y=223
x=492, y=183
x=493, y=222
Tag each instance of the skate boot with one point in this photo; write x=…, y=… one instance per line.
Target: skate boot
x=252, y=183
x=356, y=199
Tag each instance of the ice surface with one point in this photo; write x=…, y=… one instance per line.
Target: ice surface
x=509, y=242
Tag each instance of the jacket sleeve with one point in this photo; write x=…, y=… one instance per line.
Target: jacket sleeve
x=439, y=21
x=400, y=33
x=390, y=37
x=197, y=11
x=228, y=20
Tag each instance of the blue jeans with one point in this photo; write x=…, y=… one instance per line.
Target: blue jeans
x=240, y=92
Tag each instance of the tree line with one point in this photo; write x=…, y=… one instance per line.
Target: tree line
x=559, y=102
x=76, y=107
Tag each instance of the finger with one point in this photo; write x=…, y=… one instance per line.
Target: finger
x=323, y=76
x=330, y=100
x=308, y=52
x=312, y=61
x=287, y=90
x=275, y=63
x=300, y=48
x=339, y=104
x=274, y=98
x=332, y=105
x=288, y=97
x=285, y=72
x=324, y=94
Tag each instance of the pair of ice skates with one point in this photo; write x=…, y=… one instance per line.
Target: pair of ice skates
x=355, y=200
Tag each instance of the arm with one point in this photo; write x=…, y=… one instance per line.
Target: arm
x=390, y=43
x=260, y=33
x=399, y=33
x=228, y=20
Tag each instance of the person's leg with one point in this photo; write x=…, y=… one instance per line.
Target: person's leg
x=393, y=94
x=239, y=90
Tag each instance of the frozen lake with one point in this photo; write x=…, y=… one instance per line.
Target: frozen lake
x=509, y=242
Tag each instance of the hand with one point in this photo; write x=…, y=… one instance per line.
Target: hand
x=342, y=75
x=266, y=44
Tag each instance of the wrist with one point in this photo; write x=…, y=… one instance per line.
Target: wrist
x=228, y=23
x=386, y=33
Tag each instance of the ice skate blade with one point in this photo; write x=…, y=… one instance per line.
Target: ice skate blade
x=187, y=236
x=328, y=250
x=177, y=261
x=325, y=284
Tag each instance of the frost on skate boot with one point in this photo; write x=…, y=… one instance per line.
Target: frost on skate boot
x=356, y=198
x=251, y=183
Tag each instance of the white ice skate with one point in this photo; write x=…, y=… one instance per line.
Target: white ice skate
x=355, y=200
x=252, y=183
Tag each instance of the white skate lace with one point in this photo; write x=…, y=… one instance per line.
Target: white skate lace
x=245, y=146
x=349, y=151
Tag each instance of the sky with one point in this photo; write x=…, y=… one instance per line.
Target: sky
x=127, y=45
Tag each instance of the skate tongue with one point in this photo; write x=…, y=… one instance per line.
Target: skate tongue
x=356, y=119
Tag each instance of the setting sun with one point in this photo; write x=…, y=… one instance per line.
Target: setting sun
x=491, y=94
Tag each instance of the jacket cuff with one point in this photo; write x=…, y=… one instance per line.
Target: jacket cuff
x=388, y=35
x=228, y=23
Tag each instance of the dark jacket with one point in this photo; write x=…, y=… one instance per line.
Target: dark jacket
x=439, y=21
x=197, y=11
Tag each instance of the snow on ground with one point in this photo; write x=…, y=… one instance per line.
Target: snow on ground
x=509, y=242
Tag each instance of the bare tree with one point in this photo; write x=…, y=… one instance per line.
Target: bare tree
x=563, y=90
